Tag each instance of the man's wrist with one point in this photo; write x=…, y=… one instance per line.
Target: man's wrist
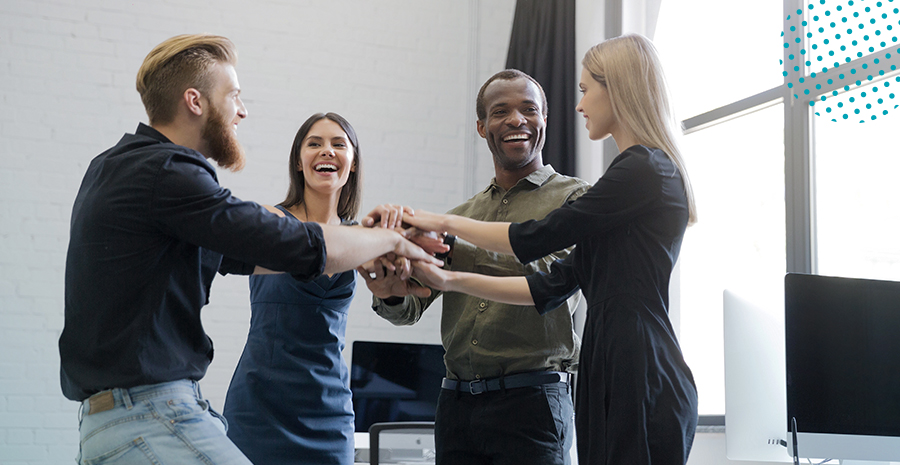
x=393, y=300
x=449, y=239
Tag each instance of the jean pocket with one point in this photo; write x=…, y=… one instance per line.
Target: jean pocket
x=219, y=417
x=178, y=408
x=132, y=452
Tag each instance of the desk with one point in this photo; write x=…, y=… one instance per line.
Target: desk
x=409, y=449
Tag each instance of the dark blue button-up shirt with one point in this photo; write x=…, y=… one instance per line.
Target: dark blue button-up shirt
x=149, y=229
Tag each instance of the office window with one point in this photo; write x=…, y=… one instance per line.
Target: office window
x=718, y=52
x=847, y=29
x=747, y=125
x=857, y=201
x=735, y=156
x=737, y=171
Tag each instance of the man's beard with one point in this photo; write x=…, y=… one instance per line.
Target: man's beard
x=224, y=147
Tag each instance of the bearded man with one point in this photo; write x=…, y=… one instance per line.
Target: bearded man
x=150, y=228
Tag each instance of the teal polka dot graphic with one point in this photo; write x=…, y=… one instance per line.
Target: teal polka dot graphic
x=842, y=34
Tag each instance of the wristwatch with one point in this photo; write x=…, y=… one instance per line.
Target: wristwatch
x=449, y=239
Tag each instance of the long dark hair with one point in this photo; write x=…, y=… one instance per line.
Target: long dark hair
x=351, y=193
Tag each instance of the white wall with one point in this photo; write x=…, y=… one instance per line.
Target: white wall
x=405, y=73
x=402, y=72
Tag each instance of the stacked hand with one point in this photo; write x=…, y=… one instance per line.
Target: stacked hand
x=394, y=217
x=427, y=221
x=388, y=276
x=388, y=279
x=432, y=276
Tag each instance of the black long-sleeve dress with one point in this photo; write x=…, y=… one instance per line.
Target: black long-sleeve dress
x=636, y=401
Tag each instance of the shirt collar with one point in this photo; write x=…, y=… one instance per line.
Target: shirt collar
x=537, y=178
x=147, y=131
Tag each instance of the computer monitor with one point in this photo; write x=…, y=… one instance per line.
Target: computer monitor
x=754, y=373
x=394, y=381
x=842, y=347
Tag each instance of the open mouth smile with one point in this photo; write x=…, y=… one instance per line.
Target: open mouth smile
x=518, y=137
x=326, y=168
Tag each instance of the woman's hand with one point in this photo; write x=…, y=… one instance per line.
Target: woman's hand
x=509, y=289
x=386, y=216
x=490, y=235
x=432, y=276
x=430, y=241
x=412, y=251
x=428, y=221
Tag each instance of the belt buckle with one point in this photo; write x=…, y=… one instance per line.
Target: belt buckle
x=481, y=384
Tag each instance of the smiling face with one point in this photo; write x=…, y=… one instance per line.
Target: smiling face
x=514, y=126
x=596, y=107
x=326, y=157
x=225, y=111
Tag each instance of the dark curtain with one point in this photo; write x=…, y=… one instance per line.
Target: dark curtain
x=543, y=45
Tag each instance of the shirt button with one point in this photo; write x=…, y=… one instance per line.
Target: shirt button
x=477, y=376
x=482, y=305
x=474, y=342
x=505, y=201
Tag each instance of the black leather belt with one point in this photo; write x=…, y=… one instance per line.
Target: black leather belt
x=479, y=386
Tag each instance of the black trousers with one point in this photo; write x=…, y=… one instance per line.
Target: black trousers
x=522, y=426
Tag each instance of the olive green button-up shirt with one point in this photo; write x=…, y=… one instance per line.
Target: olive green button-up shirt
x=485, y=339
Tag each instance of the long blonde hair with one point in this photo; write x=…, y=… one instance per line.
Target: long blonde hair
x=629, y=67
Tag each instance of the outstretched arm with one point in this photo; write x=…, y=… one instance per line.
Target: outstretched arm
x=507, y=289
x=348, y=247
x=490, y=235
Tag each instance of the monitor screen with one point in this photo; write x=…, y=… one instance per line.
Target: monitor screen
x=842, y=348
x=395, y=381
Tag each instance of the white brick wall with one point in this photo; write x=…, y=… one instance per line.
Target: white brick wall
x=404, y=73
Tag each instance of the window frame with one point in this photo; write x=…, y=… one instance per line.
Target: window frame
x=799, y=148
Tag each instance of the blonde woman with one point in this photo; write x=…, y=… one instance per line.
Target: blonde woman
x=636, y=401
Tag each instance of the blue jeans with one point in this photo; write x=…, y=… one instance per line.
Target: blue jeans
x=167, y=423
x=522, y=426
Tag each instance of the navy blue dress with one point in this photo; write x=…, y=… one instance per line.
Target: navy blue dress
x=636, y=401
x=289, y=401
